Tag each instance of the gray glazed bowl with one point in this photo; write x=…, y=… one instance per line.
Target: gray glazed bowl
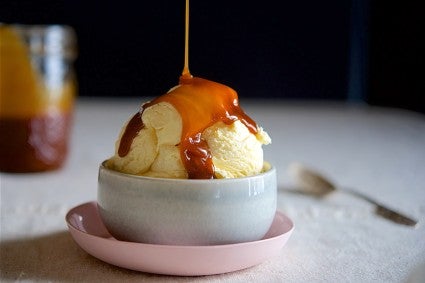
x=186, y=212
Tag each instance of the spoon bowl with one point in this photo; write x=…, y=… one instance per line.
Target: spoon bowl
x=310, y=181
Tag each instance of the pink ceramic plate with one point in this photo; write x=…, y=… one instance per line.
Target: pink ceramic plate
x=88, y=231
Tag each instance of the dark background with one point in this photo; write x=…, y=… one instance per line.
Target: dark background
x=355, y=50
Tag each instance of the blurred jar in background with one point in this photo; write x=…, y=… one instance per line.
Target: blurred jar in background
x=37, y=93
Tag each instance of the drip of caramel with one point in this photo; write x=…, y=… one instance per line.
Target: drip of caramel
x=134, y=126
x=200, y=103
x=186, y=73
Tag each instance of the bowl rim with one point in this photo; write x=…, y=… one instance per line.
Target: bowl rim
x=269, y=170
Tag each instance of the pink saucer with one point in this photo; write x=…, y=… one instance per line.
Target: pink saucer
x=88, y=231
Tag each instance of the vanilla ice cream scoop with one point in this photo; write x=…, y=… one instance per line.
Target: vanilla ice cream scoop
x=197, y=130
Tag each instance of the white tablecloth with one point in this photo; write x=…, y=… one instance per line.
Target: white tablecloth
x=378, y=151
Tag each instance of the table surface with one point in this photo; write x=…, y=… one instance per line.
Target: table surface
x=339, y=238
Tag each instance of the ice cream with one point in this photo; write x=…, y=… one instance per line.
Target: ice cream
x=197, y=130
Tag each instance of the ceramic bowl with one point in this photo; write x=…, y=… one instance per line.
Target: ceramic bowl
x=186, y=212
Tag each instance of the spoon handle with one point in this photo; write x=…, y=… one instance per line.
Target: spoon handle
x=383, y=210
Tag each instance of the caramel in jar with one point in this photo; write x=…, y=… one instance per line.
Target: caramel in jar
x=37, y=92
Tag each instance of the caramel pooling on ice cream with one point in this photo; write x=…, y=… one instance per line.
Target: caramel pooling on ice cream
x=201, y=103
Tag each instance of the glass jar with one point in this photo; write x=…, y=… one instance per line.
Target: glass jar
x=37, y=92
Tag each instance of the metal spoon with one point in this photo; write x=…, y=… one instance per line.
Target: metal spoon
x=312, y=182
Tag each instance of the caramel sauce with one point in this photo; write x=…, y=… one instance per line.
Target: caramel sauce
x=38, y=143
x=201, y=103
x=133, y=128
